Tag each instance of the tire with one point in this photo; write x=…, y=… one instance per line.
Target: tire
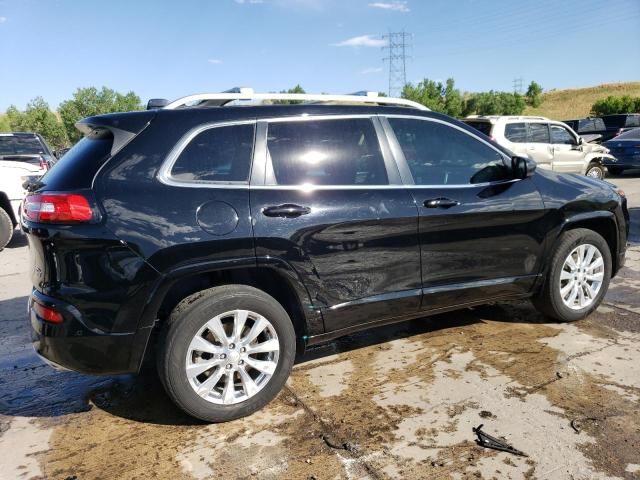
x=550, y=298
x=6, y=228
x=595, y=170
x=615, y=170
x=190, y=319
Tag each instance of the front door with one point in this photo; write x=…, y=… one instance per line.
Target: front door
x=333, y=208
x=480, y=229
x=538, y=145
x=567, y=154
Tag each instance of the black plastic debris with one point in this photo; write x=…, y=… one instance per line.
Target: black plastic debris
x=487, y=441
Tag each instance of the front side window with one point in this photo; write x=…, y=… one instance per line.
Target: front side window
x=219, y=154
x=561, y=136
x=438, y=154
x=516, y=132
x=326, y=152
x=538, y=133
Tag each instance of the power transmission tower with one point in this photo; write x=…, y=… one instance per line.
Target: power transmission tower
x=397, y=46
x=517, y=85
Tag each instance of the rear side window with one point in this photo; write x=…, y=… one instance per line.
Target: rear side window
x=633, y=121
x=516, y=132
x=326, y=152
x=218, y=154
x=598, y=124
x=484, y=127
x=78, y=166
x=438, y=154
x=538, y=133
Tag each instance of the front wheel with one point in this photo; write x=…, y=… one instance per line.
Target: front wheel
x=226, y=352
x=577, y=278
x=595, y=170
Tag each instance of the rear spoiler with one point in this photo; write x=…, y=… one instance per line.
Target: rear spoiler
x=123, y=126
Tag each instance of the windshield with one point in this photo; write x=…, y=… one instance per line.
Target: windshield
x=18, y=145
x=629, y=135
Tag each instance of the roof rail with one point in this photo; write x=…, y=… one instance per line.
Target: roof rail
x=220, y=99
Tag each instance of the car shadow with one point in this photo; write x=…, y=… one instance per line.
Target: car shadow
x=31, y=388
x=18, y=240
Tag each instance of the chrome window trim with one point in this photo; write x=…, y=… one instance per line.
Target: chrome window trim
x=403, y=165
x=164, y=174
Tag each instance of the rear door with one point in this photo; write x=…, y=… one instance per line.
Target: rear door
x=568, y=156
x=539, y=144
x=480, y=230
x=332, y=206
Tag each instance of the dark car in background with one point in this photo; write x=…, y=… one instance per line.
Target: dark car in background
x=626, y=148
x=588, y=126
x=620, y=123
x=26, y=147
x=223, y=240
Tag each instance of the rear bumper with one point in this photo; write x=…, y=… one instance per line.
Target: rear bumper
x=72, y=346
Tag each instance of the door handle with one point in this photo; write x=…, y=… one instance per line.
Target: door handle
x=440, y=203
x=288, y=210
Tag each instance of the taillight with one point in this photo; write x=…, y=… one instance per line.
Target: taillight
x=48, y=314
x=43, y=164
x=57, y=208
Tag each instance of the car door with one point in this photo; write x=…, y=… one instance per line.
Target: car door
x=568, y=156
x=481, y=231
x=332, y=206
x=539, y=144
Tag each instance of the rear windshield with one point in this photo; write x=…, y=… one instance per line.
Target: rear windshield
x=76, y=169
x=484, y=127
x=629, y=135
x=18, y=145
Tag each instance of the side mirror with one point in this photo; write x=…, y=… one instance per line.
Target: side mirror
x=522, y=167
x=154, y=103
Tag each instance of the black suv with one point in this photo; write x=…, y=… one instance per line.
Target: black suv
x=225, y=239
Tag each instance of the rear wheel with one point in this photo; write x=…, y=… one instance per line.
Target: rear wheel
x=577, y=278
x=226, y=352
x=6, y=228
x=615, y=170
x=595, y=170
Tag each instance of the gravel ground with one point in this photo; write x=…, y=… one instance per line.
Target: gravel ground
x=394, y=402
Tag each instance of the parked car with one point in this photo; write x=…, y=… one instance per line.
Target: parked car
x=553, y=145
x=620, y=123
x=23, y=157
x=626, y=148
x=607, y=126
x=225, y=240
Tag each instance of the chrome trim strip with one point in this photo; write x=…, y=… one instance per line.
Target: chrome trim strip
x=379, y=298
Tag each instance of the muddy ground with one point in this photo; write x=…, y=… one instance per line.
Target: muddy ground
x=394, y=402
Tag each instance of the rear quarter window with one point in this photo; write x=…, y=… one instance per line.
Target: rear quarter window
x=218, y=154
x=76, y=169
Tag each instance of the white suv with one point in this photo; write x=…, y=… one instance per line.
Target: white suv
x=553, y=145
x=23, y=157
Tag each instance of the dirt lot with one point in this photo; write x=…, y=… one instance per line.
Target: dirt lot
x=395, y=402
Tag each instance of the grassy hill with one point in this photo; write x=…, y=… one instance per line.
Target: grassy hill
x=576, y=103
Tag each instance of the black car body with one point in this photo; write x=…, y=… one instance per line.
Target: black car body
x=626, y=149
x=159, y=224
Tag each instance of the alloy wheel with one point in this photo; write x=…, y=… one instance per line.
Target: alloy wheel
x=581, y=277
x=232, y=357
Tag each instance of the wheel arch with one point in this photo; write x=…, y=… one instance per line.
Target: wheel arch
x=602, y=222
x=5, y=204
x=271, y=275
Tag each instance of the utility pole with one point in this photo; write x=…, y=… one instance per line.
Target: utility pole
x=517, y=85
x=398, y=43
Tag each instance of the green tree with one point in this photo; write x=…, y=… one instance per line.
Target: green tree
x=534, y=94
x=297, y=89
x=4, y=124
x=612, y=105
x=494, y=103
x=439, y=97
x=39, y=119
x=91, y=101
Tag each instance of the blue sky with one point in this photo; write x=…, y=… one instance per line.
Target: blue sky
x=170, y=49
